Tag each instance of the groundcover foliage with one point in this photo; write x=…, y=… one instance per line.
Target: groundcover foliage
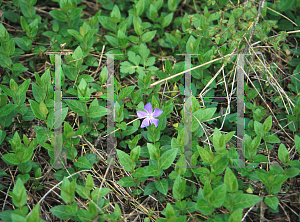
x=154, y=176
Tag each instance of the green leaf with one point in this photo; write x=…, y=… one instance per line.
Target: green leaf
x=258, y=128
x=204, y=208
x=245, y=200
x=34, y=216
x=19, y=195
x=162, y=186
x=27, y=154
x=140, y=172
x=76, y=34
x=172, y=5
x=283, y=154
x=255, y=143
x=7, y=91
x=115, y=15
x=78, y=55
x=150, y=188
x=153, y=12
x=89, y=35
x=262, y=175
x=23, y=87
x=153, y=151
x=83, y=162
x=60, y=212
x=126, y=182
x=24, y=24
x=271, y=201
x=5, y=61
x=272, y=139
x=166, y=111
x=126, y=91
x=35, y=109
x=267, y=124
x=137, y=26
x=139, y=7
x=11, y=159
x=107, y=23
x=204, y=154
x=279, y=179
x=152, y=171
x=167, y=158
x=43, y=109
x=148, y=36
x=219, y=164
x=290, y=172
x=173, y=39
x=98, y=111
x=75, y=13
x=125, y=161
x=96, y=194
x=236, y=215
x=167, y=20
x=122, y=40
x=179, y=188
x=135, y=153
x=180, y=167
x=204, y=115
x=127, y=67
x=6, y=110
x=230, y=181
x=218, y=195
x=76, y=106
x=284, y=5
x=170, y=213
x=59, y=15
x=10, y=47
x=82, y=191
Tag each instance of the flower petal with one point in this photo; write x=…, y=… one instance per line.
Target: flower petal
x=157, y=112
x=148, y=108
x=145, y=123
x=155, y=121
x=142, y=114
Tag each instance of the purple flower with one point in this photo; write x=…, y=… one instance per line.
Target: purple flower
x=149, y=115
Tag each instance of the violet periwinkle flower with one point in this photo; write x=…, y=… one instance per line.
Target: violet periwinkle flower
x=149, y=115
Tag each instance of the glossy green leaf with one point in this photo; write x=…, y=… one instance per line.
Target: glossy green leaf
x=268, y=124
x=126, y=182
x=218, y=195
x=76, y=106
x=98, y=111
x=272, y=139
x=167, y=20
x=236, y=215
x=6, y=110
x=271, y=201
x=283, y=154
x=99, y=193
x=59, y=15
x=167, y=158
x=204, y=208
x=35, y=109
x=125, y=161
x=18, y=194
x=245, y=200
x=152, y=171
x=60, y=212
x=162, y=186
x=83, y=162
x=148, y=36
x=230, y=181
